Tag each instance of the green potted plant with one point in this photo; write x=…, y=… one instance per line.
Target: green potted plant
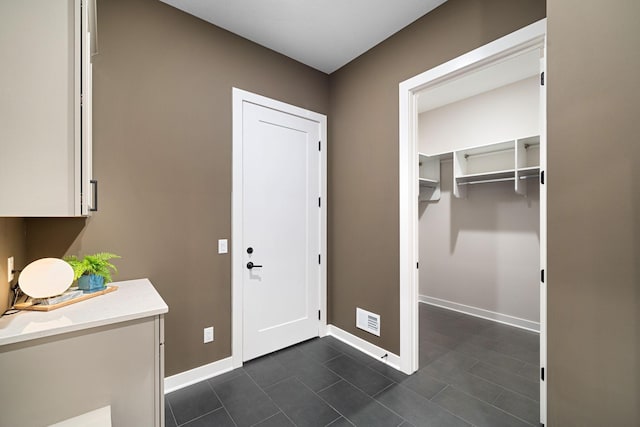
x=92, y=272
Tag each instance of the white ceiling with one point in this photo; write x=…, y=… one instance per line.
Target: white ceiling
x=322, y=34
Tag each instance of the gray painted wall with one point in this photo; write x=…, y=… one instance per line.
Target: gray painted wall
x=162, y=153
x=363, y=152
x=594, y=213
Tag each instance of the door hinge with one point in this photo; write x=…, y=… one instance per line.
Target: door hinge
x=81, y=100
x=319, y=259
x=542, y=275
x=542, y=79
x=417, y=265
x=319, y=201
x=319, y=145
x=542, y=374
x=318, y=314
x=542, y=177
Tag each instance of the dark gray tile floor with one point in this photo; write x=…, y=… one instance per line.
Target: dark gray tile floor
x=473, y=372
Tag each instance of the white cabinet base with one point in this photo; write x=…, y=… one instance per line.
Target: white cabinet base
x=55, y=378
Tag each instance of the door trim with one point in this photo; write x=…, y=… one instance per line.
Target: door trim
x=239, y=97
x=529, y=37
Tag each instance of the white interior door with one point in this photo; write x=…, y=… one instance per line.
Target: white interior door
x=280, y=229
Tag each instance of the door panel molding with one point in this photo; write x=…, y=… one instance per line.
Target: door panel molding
x=240, y=97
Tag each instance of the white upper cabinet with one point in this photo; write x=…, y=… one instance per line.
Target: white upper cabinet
x=45, y=124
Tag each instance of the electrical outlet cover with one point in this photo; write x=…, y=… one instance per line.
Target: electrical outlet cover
x=208, y=334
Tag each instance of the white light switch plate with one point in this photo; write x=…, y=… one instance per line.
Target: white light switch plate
x=223, y=246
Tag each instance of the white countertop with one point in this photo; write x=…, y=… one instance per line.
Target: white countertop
x=134, y=299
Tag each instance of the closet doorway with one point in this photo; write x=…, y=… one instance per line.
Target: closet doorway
x=474, y=149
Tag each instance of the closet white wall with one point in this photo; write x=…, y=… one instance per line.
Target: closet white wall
x=480, y=254
x=502, y=114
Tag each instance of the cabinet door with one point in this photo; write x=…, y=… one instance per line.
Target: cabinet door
x=40, y=113
x=67, y=375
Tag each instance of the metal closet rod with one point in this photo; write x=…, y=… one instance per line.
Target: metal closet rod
x=485, y=153
x=496, y=180
x=486, y=181
x=529, y=176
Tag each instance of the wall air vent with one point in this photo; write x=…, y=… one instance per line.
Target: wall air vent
x=368, y=321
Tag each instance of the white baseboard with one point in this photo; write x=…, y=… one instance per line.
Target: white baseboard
x=480, y=312
x=366, y=347
x=195, y=375
x=201, y=373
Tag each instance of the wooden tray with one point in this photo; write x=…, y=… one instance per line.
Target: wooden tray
x=28, y=305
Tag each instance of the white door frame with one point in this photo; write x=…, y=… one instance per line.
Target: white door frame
x=239, y=98
x=530, y=37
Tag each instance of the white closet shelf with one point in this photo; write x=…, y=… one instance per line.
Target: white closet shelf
x=513, y=160
x=429, y=183
x=429, y=178
x=487, y=176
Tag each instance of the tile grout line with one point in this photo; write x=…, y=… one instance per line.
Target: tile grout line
x=490, y=404
x=341, y=415
x=517, y=374
x=268, y=418
x=333, y=407
x=319, y=397
x=323, y=364
x=363, y=392
x=497, y=397
x=490, y=365
x=479, y=336
x=504, y=387
x=448, y=411
x=366, y=367
x=222, y=403
x=422, y=397
x=443, y=389
x=208, y=413
x=336, y=420
x=272, y=401
x=332, y=384
x=166, y=402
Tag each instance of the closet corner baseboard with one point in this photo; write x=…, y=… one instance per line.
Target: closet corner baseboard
x=482, y=313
